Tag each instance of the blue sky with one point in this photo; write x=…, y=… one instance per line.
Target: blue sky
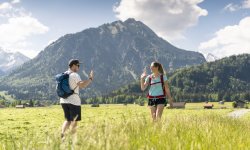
x=219, y=27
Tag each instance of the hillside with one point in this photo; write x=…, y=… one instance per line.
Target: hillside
x=225, y=79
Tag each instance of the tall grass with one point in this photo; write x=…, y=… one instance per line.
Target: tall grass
x=124, y=127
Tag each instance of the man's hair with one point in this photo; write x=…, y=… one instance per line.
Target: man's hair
x=73, y=62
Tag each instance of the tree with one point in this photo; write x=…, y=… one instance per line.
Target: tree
x=220, y=96
x=31, y=104
x=2, y=102
x=216, y=82
x=235, y=97
x=245, y=96
x=210, y=98
x=19, y=102
x=37, y=103
x=179, y=83
x=227, y=96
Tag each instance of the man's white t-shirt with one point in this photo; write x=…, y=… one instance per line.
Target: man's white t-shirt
x=73, y=99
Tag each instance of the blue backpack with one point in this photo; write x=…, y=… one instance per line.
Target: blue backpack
x=63, y=89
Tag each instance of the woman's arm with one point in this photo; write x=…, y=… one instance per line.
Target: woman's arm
x=143, y=84
x=167, y=90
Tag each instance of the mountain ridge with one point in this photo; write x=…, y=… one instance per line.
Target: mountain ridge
x=117, y=52
x=10, y=61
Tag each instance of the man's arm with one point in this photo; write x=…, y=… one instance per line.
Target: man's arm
x=84, y=84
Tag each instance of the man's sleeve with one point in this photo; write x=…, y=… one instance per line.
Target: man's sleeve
x=76, y=78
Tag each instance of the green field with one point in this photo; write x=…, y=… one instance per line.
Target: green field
x=125, y=127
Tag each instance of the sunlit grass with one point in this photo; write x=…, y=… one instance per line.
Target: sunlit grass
x=124, y=127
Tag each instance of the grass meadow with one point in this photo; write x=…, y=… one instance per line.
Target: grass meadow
x=125, y=127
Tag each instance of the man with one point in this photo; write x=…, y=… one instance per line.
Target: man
x=72, y=104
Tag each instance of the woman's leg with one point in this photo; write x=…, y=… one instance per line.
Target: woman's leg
x=153, y=112
x=159, y=110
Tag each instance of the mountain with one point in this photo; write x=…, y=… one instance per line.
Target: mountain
x=10, y=61
x=210, y=57
x=2, y=73
x=117, y=52
x=230, y=74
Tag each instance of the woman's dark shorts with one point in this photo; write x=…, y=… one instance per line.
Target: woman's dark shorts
x=157, y=101
x=72, y=112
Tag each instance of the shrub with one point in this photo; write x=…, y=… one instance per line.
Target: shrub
x=234, y=104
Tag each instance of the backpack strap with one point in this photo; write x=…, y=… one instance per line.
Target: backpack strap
x=150, y=78
x=163, y=87
x=76, y=85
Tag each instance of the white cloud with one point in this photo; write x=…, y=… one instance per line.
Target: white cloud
x=234, y=7
x=15, y=1
x=18, y=29
x=246, y=4
x=8, y=10
x=5, y=6
x=230, y=40
x=168, y=19
x=5, y=9
x=19, y=26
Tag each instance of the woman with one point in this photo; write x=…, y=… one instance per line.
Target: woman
x=158, y=89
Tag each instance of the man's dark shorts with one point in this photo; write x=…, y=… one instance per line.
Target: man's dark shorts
x=72, y=112
x=157, y=101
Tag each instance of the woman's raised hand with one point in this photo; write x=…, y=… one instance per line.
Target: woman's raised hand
x=144, y=74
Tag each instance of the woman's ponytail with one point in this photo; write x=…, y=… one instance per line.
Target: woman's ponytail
x=161, y=70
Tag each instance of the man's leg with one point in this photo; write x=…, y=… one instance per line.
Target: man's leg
x=65, y=126
x=73, y=127
x=66, y=123
x=76, y=116
x=73, y=131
